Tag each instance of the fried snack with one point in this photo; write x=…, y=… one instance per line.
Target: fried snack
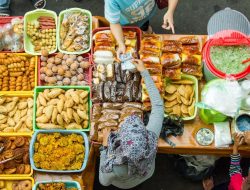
x=22, y=184
x=171, y=46
x=52, y=186
x=17, y=72
x=180, y=98
x=15, y=149
x=189, y=40
x=42, y=33
x=16, y=116
x=56, y=151
x=60, y=109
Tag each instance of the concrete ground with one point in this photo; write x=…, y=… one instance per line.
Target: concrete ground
x=191, y=17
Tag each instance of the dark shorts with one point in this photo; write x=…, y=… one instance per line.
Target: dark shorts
x=145, y=26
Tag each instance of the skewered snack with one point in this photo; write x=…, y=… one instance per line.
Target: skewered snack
x=52, y=186
x=63, y=69
x=17, y=72
x=180, y=98
x=56, y=151
x=60, y=109
x=16, y=114
x=107, y=117
x=112, y=84
x=74, y=32
x=42, y=33
x=16, y=149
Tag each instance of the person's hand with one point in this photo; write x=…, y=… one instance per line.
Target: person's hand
x=247, y=137
x=238, y=139
x=168, y=21
x=139, y=65
x=208, y=184
x=121, y=50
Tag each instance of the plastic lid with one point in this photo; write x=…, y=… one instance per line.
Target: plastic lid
x=225, y=38
x=228, y=19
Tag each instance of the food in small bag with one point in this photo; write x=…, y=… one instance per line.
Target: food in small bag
x=171, y=46
x=75, y=32
x=189, y=40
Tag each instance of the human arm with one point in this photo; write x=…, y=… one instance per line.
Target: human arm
x=235, y=157
x=116, y=30
x=168, y=19
x=157, y=112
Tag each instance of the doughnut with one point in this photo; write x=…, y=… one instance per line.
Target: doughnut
x=10, y=171
x=8, y=154
x=10, y=164
x=12, y=138
x=25, y=185
x=26, y=158
x=27, y=169
x=19, y=141
x=20, y=169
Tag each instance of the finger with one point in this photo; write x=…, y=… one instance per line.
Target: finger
x=172, y=27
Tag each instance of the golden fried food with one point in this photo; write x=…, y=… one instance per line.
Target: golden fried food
x=54, y=186
x=59, y=152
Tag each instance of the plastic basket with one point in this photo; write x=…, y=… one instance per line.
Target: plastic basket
x=196, y=94
x=65, y=132
x=21, y=95
x=32, y=17
x=224, y=38
x=84, y=11
x=42, y=88
x=68, y=184
x=126, y=28
x=87, y=72
x=24, y=92
x=9, y=180
x=7, y=176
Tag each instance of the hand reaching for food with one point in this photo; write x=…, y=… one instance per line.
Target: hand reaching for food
x=139, y=65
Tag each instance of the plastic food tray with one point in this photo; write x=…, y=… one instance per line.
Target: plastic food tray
x=87, y=72
x=23, y=95
x=8, y=176
x=32, y=17
x=84, y=11
x=194, y=79
x=131, y=28
x=24, y=92
x=42, y=88
x=68, y=184
x=64, y=132
x=9, y=180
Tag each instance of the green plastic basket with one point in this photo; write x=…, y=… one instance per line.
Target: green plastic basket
x=194, y=79
x=61, y=16
x=32, y=17
x=42, y=88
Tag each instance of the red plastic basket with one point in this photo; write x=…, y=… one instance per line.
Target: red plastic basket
x=131, y=28
x=225, y=38
x=88, y=72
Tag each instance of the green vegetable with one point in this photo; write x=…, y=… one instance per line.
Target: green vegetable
x=228, y=59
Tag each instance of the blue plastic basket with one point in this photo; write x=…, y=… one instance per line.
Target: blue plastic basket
x=86, y=145
x=68, y=184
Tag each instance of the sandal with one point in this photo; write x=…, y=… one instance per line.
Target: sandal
x=39, y=4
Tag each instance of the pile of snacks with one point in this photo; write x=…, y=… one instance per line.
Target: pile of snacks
x=15, y=185
x=17, y=72
x=107, y=117
x=112, y=84
x=42, y=33
x=16, y=149
x=180, y=98
x=62, y=69
x=105, y=44
x=171, y=60
x=150, y=53
x=191, y=56
x=16, y=114
x=75, y=32
x=11, y=36
x=59, y=152
x=60, y=109
x=52, y=186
